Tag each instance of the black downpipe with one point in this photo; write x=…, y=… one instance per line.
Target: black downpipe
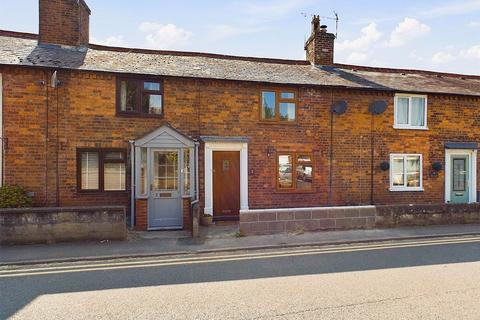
x=330, y=181
x=46, y=136
x=57, y=153
x=372, y=124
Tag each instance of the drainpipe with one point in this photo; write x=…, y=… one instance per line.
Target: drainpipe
x=132, y=193
x=57, y=151
x=1, y=131
x=197, y=191
x=47, y=109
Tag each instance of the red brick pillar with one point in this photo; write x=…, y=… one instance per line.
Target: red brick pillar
x=141, y=214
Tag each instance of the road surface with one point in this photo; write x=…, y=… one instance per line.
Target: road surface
x=425, y=279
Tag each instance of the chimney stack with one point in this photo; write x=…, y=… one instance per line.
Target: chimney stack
x=64, y=23
x=320, y=44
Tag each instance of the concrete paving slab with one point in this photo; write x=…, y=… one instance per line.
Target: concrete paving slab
x=177, y=243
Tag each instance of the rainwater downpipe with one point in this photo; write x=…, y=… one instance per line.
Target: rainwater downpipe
x=1, y=132
x=330, y=181
x=47, y=107
x=197, y=191
x=372, y=124
x=133, y=183
x=57, y=151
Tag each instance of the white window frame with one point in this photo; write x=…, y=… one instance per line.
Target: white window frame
x=408, y=125
x=404, y=187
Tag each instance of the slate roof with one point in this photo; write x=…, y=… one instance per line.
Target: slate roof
x=23, y=49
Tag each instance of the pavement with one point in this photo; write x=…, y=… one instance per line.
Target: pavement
x=408, y=279
x=213, y=239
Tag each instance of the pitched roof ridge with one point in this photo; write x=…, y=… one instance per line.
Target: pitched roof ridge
x=199, y=54
x=406, y=71
x=17, y=34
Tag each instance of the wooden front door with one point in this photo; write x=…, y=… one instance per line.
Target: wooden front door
x=226, y=185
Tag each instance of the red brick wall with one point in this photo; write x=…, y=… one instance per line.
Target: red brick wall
x=186, y=214
x=63, y=22
x=141, y=214
x=86, y=118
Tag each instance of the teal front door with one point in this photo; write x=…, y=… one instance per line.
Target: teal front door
x=460, y=179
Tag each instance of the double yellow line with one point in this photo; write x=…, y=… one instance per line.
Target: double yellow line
x=159, y=262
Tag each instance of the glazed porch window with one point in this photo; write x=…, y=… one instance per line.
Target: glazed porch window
x=406, y=172
x=165, y=175
x=186, y=171
x=280, y=106
x=101, y=170
x=294, y=172
x=410, y=112
x=140, y=97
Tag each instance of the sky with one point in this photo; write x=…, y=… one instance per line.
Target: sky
x=442, y=35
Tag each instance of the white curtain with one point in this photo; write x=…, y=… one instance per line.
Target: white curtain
x=402, y=111
x=418, y=111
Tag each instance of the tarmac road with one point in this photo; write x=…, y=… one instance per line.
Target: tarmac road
x=424, y=279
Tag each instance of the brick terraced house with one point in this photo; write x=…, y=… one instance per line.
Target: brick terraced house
x=156, y=131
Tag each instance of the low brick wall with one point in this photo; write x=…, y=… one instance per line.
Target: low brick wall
x=389, y=216
x=49, y=225
x=269, y=221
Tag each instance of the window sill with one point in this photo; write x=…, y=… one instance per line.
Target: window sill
x=409, y=128
x=87, y=192
x=138, y=115
x=392, y=189
x=293, y=192
x=288, y=123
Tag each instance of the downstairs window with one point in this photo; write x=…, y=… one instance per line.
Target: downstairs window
x=294, y=171
x=406, y=172
x=101, y=170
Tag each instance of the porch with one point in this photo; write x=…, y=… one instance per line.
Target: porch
x=165, y=180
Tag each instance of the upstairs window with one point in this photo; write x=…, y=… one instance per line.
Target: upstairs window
x=101, y=170
x=410, y=112
x=294, y=172
x=278, y=105
x=140, y=97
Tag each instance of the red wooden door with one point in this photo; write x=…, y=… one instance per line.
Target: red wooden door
x=226, y=185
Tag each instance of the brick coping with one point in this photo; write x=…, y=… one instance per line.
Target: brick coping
x=306, y=209
x=60, y=209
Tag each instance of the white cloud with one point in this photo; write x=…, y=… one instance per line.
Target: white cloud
x=446, y=57
x=456, y=8
x=474, y=24
x=114, y=41
x=473, y=52
x=165, y=36
x=442, y=57
x=369, y=36
x=359, y=49
x=358, y=57
x=407, y=30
